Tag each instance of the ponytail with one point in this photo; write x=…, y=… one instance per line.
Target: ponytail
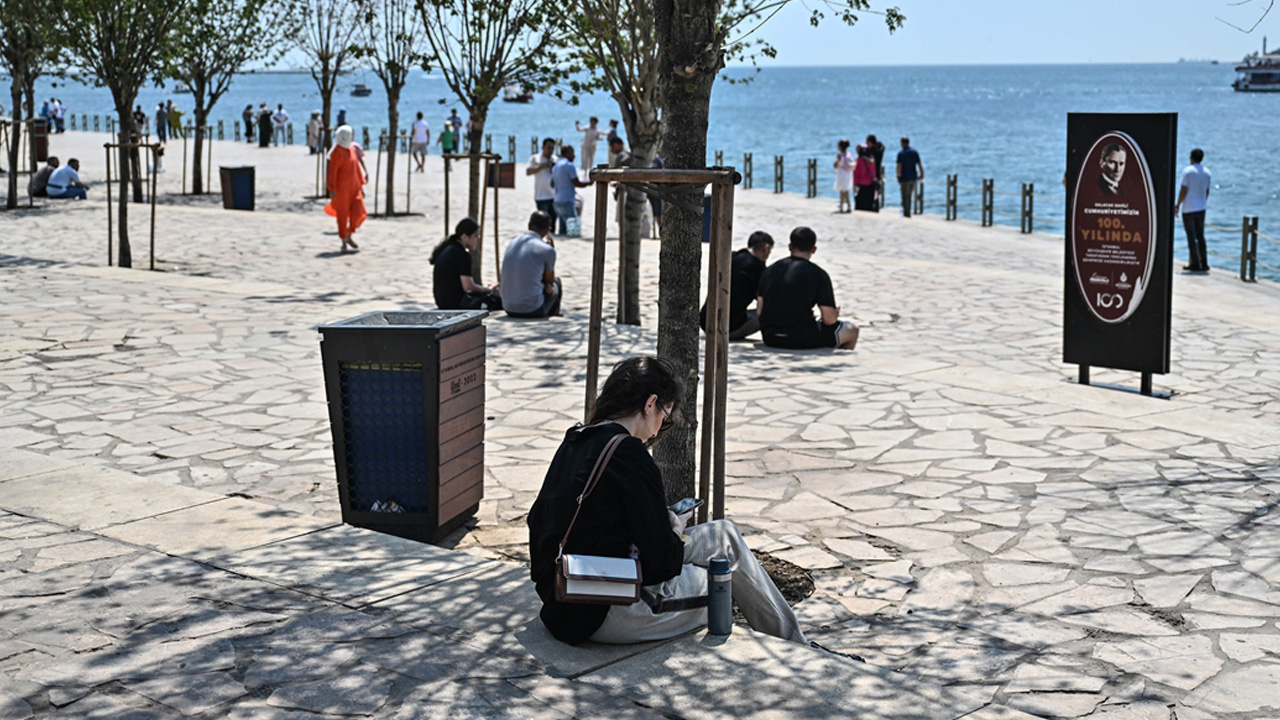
x=465, y=226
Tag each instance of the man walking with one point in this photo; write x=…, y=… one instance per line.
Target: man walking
x=910, y=172
x=1193, y=199
x=789, y=289
x=564, y=179
x=420, y=141
x=530, y=288
x=247, y=116
x=540, y=166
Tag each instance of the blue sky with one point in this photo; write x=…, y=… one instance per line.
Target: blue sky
x=1026, y=31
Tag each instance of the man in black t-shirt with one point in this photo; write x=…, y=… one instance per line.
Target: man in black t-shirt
x=744, y=281
x=788, y=291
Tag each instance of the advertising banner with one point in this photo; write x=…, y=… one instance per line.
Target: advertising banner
x=1119, y=241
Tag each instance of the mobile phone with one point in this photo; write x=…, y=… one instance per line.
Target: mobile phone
x=685, y=506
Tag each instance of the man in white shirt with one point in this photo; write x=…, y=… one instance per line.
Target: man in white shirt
x=540, y=168
x=420, y=141
x=65, y=182
x=1193, y=200
x=280, y=118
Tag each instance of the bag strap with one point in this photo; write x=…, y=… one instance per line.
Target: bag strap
x=592, y=481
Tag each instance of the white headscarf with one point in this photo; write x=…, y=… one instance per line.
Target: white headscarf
x=344, y=136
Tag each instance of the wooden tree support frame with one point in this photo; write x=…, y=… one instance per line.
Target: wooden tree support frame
x=188, y=130
x=8, y=137
x=153, y=148
x=385, y=141
x=719, y=269
x=488, y=163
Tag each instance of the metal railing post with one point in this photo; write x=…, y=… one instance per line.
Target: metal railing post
x=746, y=171
x=488, y=143
x=952, y=196
x=1028, y=204
x=1249, y=249
x=288, y=134
x=988, y=201
x=236, y=127
x=777, y=173
x=96, y=120
x=533, y=145
x=364, y=132
x=811, y=178
x=511, y=148
x=221, y=134
x=719, y=158
x=918, y=200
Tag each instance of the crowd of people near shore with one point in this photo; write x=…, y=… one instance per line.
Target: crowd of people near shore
x=860, y=174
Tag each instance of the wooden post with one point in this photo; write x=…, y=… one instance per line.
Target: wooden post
x=408, y=184
x=597, y=296
x=152, y=149
x=377, y=174
x=620, y=315
x=107, y=147
x=446, y=197
x=484, y=200
x=497, y=256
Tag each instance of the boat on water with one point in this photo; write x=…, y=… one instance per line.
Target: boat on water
x=361, y=90
x=181, y=88
x=511, y=93
x=1258, y=72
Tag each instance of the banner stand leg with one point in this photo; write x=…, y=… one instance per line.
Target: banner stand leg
x=1146, y=384
x=1084, y=374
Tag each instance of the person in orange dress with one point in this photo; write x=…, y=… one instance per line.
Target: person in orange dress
x=346, y=186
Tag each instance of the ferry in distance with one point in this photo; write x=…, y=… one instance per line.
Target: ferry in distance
x=1258, y=72
x=361, y=90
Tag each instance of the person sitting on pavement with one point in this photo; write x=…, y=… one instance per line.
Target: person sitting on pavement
x=564, y=179
x=788, y=291
x=65, y=182
x=452, y=283
x=744, y=281
x=532, y=289
x=627, y=510
x=39, y=184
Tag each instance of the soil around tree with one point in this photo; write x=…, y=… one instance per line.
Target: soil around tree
x=793, y=581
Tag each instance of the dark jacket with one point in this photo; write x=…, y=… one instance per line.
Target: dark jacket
x=627, y=508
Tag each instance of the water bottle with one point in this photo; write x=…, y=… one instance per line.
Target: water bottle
x=719, y=597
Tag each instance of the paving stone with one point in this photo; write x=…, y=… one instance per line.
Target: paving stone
x=357, y=692
x=1247, y=689
x=190, y=695
x=1183, y=662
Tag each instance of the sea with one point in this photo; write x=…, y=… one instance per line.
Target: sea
x=1004, y=122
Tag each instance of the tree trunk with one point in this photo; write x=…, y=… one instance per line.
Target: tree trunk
x=479, y=115
x=393, y=122
x=197, y=161
x=125, y=256
x=689, y=58
x=15, y=95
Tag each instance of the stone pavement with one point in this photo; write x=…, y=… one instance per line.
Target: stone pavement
x=128, y=597
x=971, y=516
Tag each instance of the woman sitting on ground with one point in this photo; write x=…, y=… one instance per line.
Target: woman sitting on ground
x=452, y=283
x=627, y=510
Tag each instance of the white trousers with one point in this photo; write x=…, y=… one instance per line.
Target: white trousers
x=757, y=597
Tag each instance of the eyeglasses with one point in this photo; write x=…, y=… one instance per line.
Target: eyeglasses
x=666, y=420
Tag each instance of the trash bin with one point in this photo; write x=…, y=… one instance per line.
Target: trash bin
x=40, y=139
x=406, y=407
x=237, y=187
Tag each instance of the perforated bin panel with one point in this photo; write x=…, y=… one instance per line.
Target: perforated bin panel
x=385, y=426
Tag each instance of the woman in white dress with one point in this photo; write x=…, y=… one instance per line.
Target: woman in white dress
x=844, y=176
